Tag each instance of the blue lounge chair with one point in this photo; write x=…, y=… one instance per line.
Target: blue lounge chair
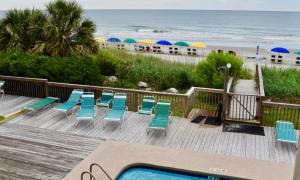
x=106, y=98
x=147, y=106
x=161, y=120
x=2, y=88
x=285, y=132
x=117, y=112
x=39, y=105
x=71, y=103
x=87, y=109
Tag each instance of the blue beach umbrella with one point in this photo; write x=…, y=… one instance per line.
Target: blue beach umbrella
x=113, y=40
x=280, y=50
x=164, y=42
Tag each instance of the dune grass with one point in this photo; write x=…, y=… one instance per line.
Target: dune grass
x=282, y=84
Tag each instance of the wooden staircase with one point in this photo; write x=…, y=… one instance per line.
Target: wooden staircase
x=35, y=153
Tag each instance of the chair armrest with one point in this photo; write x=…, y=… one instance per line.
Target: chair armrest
x=171, y=113
x=98, y=100
x=126, y=108
x=139, y=107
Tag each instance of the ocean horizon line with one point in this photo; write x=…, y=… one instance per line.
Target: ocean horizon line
x=164, y=9
x=194, y=10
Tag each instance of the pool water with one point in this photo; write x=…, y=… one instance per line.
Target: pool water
x=155, y=174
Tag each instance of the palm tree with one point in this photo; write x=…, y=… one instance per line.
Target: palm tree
x=67, y=32
x=20, y=29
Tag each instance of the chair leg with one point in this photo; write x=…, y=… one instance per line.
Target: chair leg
x=67, y=114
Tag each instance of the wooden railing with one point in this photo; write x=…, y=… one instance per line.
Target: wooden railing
x=20, y=86
x=255, y=110
x=205, y=98
x=182, y=104
x=273, y=111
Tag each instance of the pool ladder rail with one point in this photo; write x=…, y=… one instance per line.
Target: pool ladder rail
x=92, y=177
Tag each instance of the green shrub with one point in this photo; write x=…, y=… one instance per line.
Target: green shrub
x=282, y=83
x=129, y=68
x=81, y=70
x=208, y=74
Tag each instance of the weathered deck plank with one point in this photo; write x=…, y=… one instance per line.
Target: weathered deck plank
x=34, y=153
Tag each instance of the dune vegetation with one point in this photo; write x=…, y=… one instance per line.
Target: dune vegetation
x=282, y=84
x=128, y=68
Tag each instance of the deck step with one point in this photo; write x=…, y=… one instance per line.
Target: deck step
x=35, y=153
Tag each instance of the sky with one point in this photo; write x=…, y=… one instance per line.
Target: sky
x=265, y=5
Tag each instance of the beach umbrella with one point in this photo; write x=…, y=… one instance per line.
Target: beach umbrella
x=280, y=50
x=198, y=45
x=147, y=41
x=182, y=43
x=113, y=40
x=297, y=52
x=164, y=42
x=130, y=41
x=100, y=40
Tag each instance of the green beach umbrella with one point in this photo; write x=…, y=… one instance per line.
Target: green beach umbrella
x=297, y=52
x=182, y=43
x=130, y=41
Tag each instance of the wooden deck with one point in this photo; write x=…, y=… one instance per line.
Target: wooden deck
x=17, y=139
x=35, y=153
x=10, y=104
x=181, y=135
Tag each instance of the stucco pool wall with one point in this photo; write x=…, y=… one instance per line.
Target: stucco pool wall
x=116, y=156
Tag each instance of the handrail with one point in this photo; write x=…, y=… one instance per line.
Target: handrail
x=248, y=94
x=260, y=81
x=212, y=90
x=95, y=164
x=282, y=105
x=3, y=77
x=86, y=172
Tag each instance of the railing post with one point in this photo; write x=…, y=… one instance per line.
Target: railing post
x=225, y=95
x=46, y=88
x=189, y=101
x=188, y=106
x=259, y=108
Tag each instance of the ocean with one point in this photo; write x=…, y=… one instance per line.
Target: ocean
x=220, y=28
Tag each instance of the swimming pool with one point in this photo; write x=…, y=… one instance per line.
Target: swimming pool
x=145, y=173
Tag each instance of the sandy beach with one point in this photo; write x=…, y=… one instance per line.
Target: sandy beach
x=247, y=54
